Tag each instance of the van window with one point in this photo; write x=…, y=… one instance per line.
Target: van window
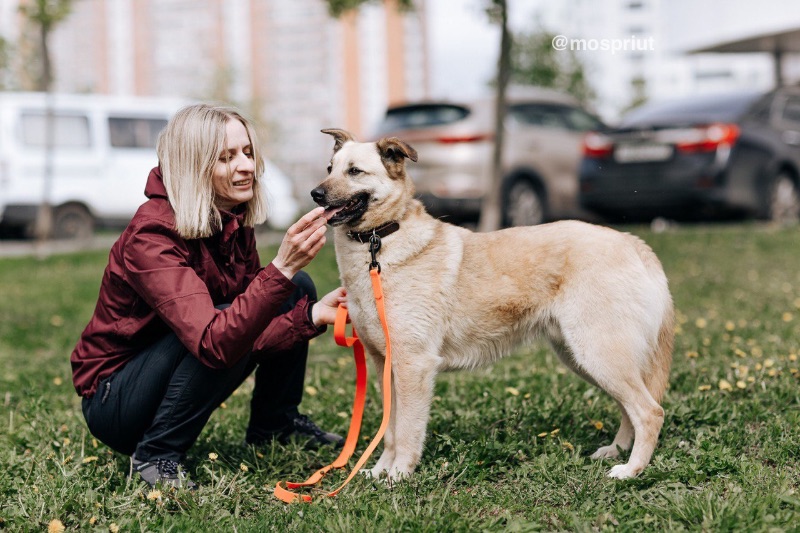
x=127, y=132
x=71, y=131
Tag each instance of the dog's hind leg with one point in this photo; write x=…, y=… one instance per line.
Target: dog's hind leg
x=622, y=441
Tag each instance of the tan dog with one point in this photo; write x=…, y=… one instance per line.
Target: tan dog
x=458, y=299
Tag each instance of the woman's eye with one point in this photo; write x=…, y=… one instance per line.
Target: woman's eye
x=354, y=170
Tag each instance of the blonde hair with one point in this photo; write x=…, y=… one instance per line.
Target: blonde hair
x=188, y=149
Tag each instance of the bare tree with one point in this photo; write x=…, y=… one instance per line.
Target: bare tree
x=491, y=208
x=45, y=15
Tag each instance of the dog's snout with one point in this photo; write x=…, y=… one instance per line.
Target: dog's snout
x=318, y=195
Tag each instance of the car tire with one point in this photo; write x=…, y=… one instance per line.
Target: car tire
x=72, y=221
x=523, y=204
x=783, y=201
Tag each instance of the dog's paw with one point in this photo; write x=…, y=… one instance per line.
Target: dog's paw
x=606, y=452
x=625, y=471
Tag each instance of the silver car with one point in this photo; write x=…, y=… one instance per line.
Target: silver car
x=544, y=134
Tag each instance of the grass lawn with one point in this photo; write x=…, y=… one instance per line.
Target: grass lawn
x=507, y=448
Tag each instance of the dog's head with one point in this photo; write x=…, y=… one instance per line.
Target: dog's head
x=367, y=184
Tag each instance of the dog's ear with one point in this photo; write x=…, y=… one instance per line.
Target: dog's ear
x=395, y=150
x=341, y=137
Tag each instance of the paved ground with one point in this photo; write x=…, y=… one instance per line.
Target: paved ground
x=101, y=241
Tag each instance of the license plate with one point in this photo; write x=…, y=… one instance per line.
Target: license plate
x=641, y=153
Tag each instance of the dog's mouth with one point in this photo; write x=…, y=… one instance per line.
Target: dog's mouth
x=349, y=211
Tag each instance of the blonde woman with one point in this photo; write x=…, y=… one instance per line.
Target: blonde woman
x=186, y=311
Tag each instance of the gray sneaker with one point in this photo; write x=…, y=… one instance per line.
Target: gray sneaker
x=163, y=472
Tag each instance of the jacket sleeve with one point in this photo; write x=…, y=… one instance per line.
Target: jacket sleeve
x=156, y=266
x=289, y=329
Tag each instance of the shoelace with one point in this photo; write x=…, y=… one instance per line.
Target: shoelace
x=167, y=466
x=305, y=423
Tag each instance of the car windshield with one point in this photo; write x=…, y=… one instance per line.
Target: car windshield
x=421, y=116
x=720, y=108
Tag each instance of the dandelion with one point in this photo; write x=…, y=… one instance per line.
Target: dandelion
x=742, y=371
x=555, y=432
x=92, y=520
x=769, y=363
x=223, y=405
x=787, y=317
x=57, y=381
x=542, y=434
x=772, y=373
x=730, y=326
x=725, y=385
x=213, y=456
x=243, y=467
x=568, y=446
x=701, y=323
x=113, y=528
x=598, y=425
x=311, y=390
x=55, y=526
x=704, y=388
x=512, y=391
x=67, y=441
x=342, y=414
x=154, y=495
x=56, y=321
x=792, y=357
x=741, y=384
x=89, y=459
x=692, y=354
x=527, y=395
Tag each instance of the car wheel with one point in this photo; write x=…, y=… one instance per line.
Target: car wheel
x=72, y=221
x=784, y=200
x=523, y=205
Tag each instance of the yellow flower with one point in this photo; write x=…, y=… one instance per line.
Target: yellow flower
x=57, y=321
x=793, y=357
x=542, y=434
x=725, y=385
x=704, y=387
x=692, y=354
x=555, y=432
x=512, y=391
x=730, y=326
x=311, y=390
x=741, y=384
x=55, y=526
x=57, y=381
x=568, y=446
x=243, y=467
x=89, y=459
x=67, y=441
x=223, y=405
x=92, y=520
x=154, y=495
x=113, y=528
x=598, y=425
x=787, y=317
x=769, y=363
x=213, y=456
x=701, y=323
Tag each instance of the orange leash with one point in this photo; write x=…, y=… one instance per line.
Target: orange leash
x=284, y=493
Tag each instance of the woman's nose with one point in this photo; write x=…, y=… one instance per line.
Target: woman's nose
x=245, y=163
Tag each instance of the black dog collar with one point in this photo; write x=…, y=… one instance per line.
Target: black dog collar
x=364, y=236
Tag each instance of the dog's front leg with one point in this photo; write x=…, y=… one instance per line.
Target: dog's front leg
x=387, y=457
x=414, y=380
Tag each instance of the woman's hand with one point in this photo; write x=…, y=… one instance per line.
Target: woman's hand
x=303, y=240
x=324, y=311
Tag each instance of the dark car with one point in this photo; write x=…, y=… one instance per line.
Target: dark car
x=543, y=135
x=730, y=155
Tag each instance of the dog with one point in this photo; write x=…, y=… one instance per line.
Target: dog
x=457, y=299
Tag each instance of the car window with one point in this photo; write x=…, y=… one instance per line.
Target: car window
x=699, y=109
x=69, y=130
x=791, y=110
x=126, y=132
x=421, y=116
x=579, y=120
x=545, y=116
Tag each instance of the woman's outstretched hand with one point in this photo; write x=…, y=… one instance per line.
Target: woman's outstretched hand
x=324, y=311
x=303, y=240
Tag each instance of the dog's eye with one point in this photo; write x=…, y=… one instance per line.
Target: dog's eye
x=329, y=168
x=354, y=171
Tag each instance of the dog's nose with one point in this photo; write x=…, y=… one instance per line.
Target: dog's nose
x=318, y=195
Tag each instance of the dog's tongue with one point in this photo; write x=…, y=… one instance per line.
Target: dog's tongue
x=330, y=212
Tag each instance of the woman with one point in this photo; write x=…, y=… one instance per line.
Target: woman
x=186, y=312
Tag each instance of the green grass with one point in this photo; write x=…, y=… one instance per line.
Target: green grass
x=507, y=448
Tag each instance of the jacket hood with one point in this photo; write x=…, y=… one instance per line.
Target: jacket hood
x=155, y=185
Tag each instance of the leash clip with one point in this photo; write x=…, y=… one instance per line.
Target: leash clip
x=374, y=247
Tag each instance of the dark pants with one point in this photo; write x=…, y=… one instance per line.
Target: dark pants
x=158, y=403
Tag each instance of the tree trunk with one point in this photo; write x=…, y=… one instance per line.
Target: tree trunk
x=491, y=208
x=43, y=228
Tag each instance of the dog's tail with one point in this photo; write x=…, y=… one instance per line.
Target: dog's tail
x=657, y=379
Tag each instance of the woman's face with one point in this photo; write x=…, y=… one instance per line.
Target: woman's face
x=234, y=171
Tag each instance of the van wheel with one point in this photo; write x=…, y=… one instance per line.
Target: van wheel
x=524, y=205
x=72, y=221
x=784, y=200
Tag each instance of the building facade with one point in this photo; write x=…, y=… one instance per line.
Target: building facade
x=290, y=65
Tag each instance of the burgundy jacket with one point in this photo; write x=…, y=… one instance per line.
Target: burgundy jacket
x=157, y=282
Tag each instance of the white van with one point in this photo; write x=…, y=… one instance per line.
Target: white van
x=104, y=150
